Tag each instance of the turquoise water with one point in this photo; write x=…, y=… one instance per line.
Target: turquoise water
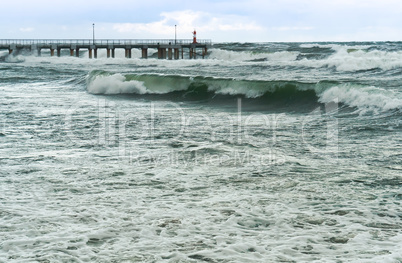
x=263, y=152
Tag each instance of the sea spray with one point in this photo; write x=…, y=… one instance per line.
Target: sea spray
x=366, y=99
x=248, y=158
x=362, y=97
x=115, y=84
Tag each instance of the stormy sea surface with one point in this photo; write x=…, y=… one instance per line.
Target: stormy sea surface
x=261, y=152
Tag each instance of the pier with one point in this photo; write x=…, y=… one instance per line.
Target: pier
x=167, y=48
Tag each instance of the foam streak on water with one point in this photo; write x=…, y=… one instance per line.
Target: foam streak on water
x=285, y=152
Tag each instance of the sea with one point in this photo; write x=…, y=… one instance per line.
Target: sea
x=258, y=152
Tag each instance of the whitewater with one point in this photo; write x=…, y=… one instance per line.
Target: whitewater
x=261, y=152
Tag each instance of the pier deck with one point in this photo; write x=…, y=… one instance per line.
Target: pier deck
x=167, y=48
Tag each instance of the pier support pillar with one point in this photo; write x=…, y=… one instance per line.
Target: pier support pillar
x=128, y=52
x=52, y=52
x=95, y=53
x=113, y=53
x=58, y=52
x=191, y=53
x=159, y=53
x=204, y=52
x=144, y=53
x=162, y=53
x=170, y=54
x=39, y=52
x=10, y=51
x=182, y=53
x=176, y=53
x=71, y=52
x=90, y=53
x=108, y=52
x=77, y=52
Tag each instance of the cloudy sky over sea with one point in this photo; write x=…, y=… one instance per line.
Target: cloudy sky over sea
x=220, y=20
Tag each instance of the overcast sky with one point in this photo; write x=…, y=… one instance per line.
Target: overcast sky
x=219, y=20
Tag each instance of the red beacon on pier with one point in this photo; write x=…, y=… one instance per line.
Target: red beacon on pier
x=194, y=37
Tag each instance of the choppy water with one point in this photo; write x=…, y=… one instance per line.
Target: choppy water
x=271, y=152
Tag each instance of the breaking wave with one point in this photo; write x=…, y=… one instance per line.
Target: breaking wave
x=230, y=55
x=364, y=98
x=343, y=58
x=357, y=59
x=115, y=84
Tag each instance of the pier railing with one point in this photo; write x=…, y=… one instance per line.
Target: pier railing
x=102, y=41
x=165, y=47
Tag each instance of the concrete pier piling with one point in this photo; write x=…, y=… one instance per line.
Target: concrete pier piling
x=170, y=54
x=162, y=53
x=191, y=53
x=144, y=52
x=159, y=53
x=128, y=52
x=167, y=48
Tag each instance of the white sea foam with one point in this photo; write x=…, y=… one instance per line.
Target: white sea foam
x=115, y=84
x=335, y=46
x=365, y=98
x=75, y=191
x=236, y=88
x=109, y=83
x=3, y=53
x=349, y=58
x=283, y=56
x=343, y=60
x=228, y=55
x=15, y=59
